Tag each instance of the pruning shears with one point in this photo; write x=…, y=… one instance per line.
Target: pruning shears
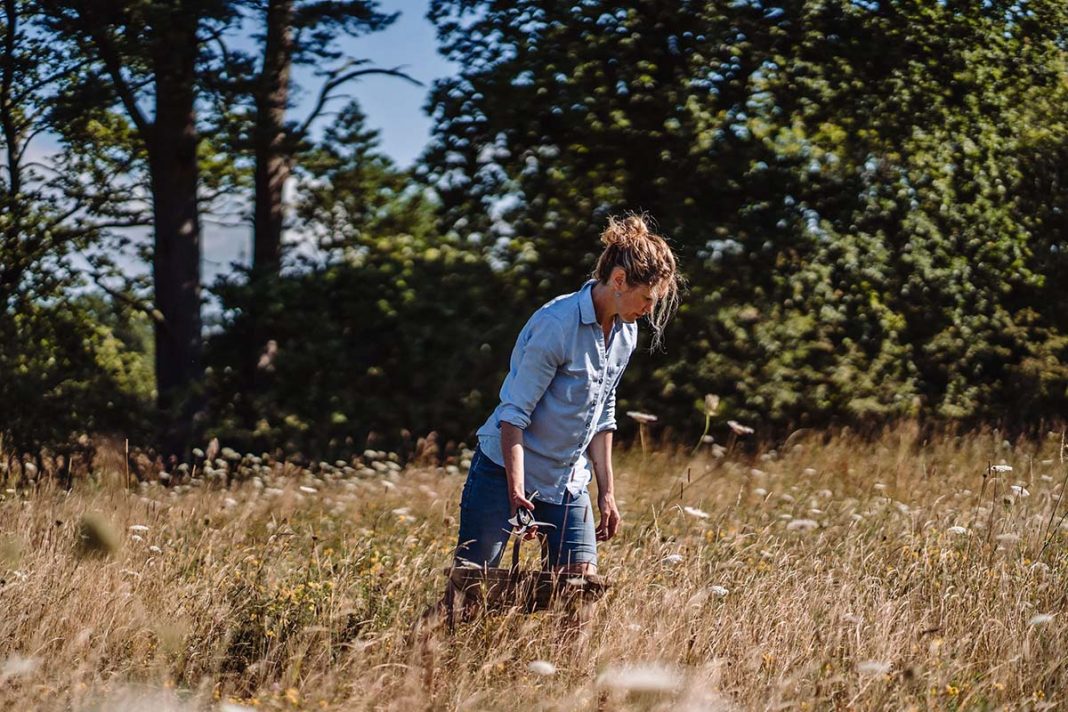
x=524, y=520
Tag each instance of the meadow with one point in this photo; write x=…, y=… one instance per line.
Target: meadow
x=836, y=572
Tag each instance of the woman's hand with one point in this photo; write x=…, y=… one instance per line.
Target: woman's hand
x=609, y=517
x=518, y=501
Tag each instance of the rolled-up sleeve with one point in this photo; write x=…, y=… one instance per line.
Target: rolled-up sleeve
x=532, y=370
x=607, y=421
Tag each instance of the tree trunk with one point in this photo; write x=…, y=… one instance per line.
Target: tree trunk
x=176, y=260
x=272, y=159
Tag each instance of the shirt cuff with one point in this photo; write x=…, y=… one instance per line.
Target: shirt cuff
x=514, y=416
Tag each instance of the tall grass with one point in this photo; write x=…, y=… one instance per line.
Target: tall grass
x=840, y=573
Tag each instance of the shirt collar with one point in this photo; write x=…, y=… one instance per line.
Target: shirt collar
x=587, y=313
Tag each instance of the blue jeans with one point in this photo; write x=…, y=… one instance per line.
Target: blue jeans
x=485, y=510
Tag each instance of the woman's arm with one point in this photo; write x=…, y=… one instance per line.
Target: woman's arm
x=600, y=454
x=512, y=448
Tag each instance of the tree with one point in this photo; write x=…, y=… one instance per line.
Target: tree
x=403, y=322
x=843, y=182
x=298, y=33
x=134, y=54
x=68, y=359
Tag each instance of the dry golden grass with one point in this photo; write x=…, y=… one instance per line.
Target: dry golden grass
x=293, y=590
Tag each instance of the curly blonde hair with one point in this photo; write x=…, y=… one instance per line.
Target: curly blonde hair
x=646, y=259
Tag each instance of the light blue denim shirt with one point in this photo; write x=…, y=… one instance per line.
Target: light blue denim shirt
x=561, y=391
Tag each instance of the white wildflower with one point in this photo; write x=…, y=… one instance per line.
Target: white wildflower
x=719, y=591
x=641, y=678
x=137, y=537
x=1008, y=538
x=711, y=404
x=155, y=549
x=642, y=417
x=1040, y=619
x=809, y=472
x=1020, y=491
x=760, y=492
x=997, y=469
x=695, y=512
x=957, y=530
x=18, y=665
x=739, y=429
x=138, y=528
x=541, y=667
x=803, y=525
x=873, y=667
x=308, y=490
x=754, y=472
x=229, y=502
x=673, y=559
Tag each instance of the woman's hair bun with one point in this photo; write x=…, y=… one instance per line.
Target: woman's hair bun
x=624, y=232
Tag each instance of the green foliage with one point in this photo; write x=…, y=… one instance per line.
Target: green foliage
x=386, y=328
x=864, y=196
x=64, y=373
x=70, y=362
x=402, y=338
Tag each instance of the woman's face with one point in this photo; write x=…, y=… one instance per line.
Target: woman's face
x=635, y=301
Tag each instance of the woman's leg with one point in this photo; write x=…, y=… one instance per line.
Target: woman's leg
x=484, y=513
x=572, y=545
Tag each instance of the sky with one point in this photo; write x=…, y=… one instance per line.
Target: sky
x=394, y=106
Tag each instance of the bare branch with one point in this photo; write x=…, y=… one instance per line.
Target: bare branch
x=337, y=78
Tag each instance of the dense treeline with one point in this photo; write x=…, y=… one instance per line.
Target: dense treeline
x=867, y=198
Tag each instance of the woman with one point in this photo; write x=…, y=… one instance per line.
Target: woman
x=557, y=409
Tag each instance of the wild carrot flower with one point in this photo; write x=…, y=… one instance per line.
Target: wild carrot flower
x=541, y=667
x=739, y=429
x=641, y=678
x=873, y=667
x=695, y=512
